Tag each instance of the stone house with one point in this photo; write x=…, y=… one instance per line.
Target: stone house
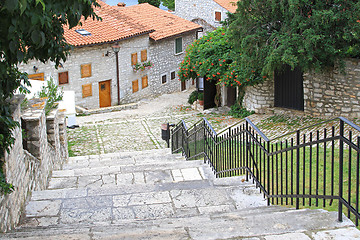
x=330, y=94
x=150, y=44
x=207, y=13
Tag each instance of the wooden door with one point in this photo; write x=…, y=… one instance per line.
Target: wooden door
x=289, y=90
x=105, y=93
x=231, y=96
x=183, y=85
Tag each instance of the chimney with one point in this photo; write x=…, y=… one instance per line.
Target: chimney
x=121, y=4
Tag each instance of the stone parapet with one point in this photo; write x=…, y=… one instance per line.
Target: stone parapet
x=40, y=147
x=259, y=97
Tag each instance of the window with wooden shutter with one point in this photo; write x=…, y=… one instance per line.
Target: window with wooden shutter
x=87, y=90
x=37, y=76
x=218, y=16
x=144, y=81
x=144, y=55
x=85, y=70
x=172, y=75
x=133, y=58
x=63, y=77
x=135, y=85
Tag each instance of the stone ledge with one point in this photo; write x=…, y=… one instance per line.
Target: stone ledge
x=81, y=110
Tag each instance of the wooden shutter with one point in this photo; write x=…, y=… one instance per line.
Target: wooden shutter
x=135, y=85
x=172, y=75
x=85, y=70
x=144, y=55
x=63, y=77
x=178, y=45
x=133, y=58
x=87, y=90
x=144, y=81
x=37, y=76
x=218, y=16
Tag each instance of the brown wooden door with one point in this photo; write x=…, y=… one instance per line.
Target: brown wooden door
x=105, y=93
x=183, y=85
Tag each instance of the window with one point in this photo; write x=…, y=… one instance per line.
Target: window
x=200, y=84
x=172, y=75
x=86, y=90
x=218, y=16
x=37, y=76
x=163, y=79
x=144, y=55
x=133, y=58
x=144, y=81
x=178, y=45
x=135, y=85
x=63, y=77
x=85, y=70
x=83, y=32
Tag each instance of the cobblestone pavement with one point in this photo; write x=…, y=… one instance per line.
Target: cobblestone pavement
x=139, y=129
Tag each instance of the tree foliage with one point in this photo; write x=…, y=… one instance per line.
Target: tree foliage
x=155, y=3
x=310, y=34
x=31, y=29
x=170, y=4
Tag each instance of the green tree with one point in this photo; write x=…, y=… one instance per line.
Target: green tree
x=155, y=3
x=310, y=34
x=31, y=29
x=170, y=4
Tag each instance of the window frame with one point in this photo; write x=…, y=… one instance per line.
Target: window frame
x=166, y=80
x=171, y=75
x=182, y=47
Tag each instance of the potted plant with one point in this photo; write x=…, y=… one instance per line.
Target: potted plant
x=201, y=98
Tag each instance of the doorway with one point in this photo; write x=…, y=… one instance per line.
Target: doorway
x=105, y=93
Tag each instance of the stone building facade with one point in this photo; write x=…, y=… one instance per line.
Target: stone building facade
x=91, y=69
x=331, y=94
x=40, y=147
x=207, y=13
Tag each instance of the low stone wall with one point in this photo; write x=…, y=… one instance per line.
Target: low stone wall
x=259, y=97
x=40, y=147
x=333, y=94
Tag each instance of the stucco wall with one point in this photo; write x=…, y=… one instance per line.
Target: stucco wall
x=200, y=9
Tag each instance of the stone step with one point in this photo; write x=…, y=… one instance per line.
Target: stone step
x=121, y=175
x=261, y=223
x=189, y=198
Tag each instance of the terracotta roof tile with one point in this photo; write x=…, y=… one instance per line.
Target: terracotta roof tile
x=114, y=26
x=164, y=23
x=229, y=5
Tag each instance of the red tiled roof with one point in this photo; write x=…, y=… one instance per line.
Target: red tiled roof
x=113, y=27
x=229, y=5
x=124, y=22
x=164, y=23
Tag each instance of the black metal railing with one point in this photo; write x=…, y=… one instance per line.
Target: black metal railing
x=312, y=166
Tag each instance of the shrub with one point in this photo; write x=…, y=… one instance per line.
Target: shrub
x=239, y=111
x=193, y=97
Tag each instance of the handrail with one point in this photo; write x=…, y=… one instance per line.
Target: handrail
x=247, y=150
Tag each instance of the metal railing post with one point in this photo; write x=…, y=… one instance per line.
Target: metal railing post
x=247, y=149
x=341, y=163
x=297, y=201
x=268, y=171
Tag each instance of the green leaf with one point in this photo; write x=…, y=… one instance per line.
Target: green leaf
x=23, y=5
x=35, y=36
x=11, y=5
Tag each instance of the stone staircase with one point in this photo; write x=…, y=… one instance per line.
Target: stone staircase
x=156, y=195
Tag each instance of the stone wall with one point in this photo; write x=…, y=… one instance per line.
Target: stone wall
x=194, y=10
x=39, y=148
x=259, y=97
x=333, y=94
